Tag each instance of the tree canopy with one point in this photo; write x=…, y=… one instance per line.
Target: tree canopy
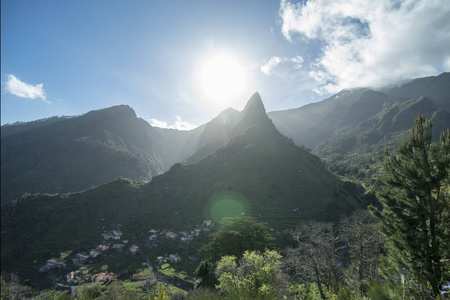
x=416, y=205
x=253, y=275
x=237, y=235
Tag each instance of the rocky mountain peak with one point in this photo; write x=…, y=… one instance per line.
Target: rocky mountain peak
x=255, y=104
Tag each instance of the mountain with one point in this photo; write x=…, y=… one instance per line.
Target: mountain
x=311, y=124
x=348, y=130
x=228, y=125
x=351, y=129
x=60, y=155
x=68, y=154
x=259, y=173
x=436, y=88
x=268, y=174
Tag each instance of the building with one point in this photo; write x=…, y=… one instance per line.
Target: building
x=55, y=262
x=103, y=277
x=134, y=249
x=94, y=253
x=106, y=236
x=175, y=258
x=118, y=246
x=72, y=278
x=171, y=235
x=207, y=223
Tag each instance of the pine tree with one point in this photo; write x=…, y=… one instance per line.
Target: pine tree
x=415, y=205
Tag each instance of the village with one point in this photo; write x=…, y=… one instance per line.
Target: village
x=112, y=241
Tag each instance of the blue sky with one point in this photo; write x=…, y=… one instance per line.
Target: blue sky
x=70, y=57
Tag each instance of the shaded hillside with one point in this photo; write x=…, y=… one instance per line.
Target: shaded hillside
x=70, y=154
x=436, y=88
x=351, y=135
x=36, y=227
x=357, y=152
x=216, y=134
x=228, y=125
x=311, y=124
x=66, y=154
x=268, y=174
x=258, y=173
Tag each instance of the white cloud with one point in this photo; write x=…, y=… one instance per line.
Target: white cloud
x=25, y=90
x=298, y=61
x=272, y=63
x=275, y=61
x=182, y=125
x=371, y=43
x=157, y=123
x=179, y=124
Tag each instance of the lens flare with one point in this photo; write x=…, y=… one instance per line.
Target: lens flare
x=225, y=204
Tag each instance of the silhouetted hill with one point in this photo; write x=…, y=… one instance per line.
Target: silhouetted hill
x=218, y=133
x=271, y=175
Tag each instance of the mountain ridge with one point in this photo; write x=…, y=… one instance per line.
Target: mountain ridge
x=31, y=154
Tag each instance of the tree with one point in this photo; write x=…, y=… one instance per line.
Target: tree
x=254, y=275
x=415, y=204
x=12, y=288
x=314, y=257
x=365, y=243
x=237, y=235
x=206, y=271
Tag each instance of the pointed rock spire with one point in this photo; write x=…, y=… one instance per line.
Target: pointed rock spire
x=255, y=104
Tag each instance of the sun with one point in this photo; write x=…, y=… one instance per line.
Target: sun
x=222, y=80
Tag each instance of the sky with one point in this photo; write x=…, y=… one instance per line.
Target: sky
x=178, y=64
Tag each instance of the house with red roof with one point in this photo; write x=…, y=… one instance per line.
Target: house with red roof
x=134, y=249
x=103, y=277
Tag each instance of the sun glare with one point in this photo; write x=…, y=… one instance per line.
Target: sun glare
x=222, y=80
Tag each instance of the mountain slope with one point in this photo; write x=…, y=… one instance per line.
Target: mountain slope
x=436, y=88
x=270, y=174
x=71, y=154
x=357, y=152
x=351, y=129
x=221, y=132
x=259, y=173
x=311, y=124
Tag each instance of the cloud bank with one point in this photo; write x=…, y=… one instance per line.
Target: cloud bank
x=371, y=43
x=179, y=124
x=25, y=90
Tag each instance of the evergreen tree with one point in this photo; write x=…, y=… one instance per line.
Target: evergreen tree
x=415, y=205
x=205, y=271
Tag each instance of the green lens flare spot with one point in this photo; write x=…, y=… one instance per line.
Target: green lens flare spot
x=222, y=205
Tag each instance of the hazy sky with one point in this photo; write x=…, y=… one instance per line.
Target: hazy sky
x=179, y=63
